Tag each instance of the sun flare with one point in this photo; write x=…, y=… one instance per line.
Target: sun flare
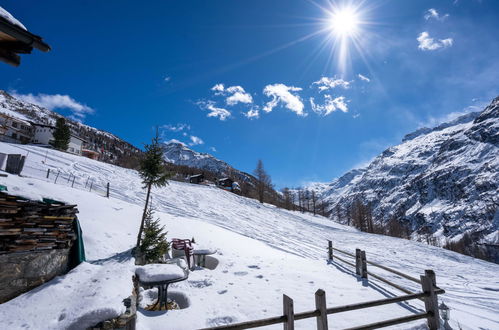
x=344, y=22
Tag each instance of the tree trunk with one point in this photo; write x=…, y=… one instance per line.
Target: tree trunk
x=144, y=215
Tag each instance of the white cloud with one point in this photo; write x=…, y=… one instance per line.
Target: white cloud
x=218, y=89
x=432, y=121
x=167, y=79
x=363, y=78
x=326, y=83
x=195, y=141
x=238, y=95
x=432, y=13
x=176, y=128
x=281, y=93
x=213, y=149
x=58, y=101
x=330, y=105
x=428, y=43
x=214, y=111
x=253, y=113
x=234, y=94
x=174, y=141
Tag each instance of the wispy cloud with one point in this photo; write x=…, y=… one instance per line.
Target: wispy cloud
x=174, y=141
x=426, y=43
x=234, y=94
x=433, y=121
x=176, y=128
x=57, y=101
x=330, y=105
x=327, y=83
x=432, y=13
x=253, y=113
x=213, y=149
x=281, y=94
x=195, y=141
x=213, y=110
x=167, y=78
x=363, y=78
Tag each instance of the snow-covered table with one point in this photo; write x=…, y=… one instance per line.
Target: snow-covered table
x=160, y=276
x=201, y=256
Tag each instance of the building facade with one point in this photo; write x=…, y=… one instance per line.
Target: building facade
x=14, y=130
x=44, y=134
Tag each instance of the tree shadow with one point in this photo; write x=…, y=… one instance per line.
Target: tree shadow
x=120, y=257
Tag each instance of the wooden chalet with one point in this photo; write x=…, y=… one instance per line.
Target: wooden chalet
x=198, y=178
x=225, y=182
x=15, y=39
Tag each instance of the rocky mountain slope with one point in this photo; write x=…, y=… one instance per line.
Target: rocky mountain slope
x=440, y=183
x=179, y=154
x=112, y=148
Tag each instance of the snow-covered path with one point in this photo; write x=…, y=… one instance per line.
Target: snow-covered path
x=298, y=242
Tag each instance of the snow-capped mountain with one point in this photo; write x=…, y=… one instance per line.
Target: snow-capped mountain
x=441, y=181
x=112, y=148
x=179, y=154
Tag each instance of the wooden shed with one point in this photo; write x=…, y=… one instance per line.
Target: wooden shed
x=15, y=39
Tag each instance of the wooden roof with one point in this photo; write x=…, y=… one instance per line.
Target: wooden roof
x=15, y=40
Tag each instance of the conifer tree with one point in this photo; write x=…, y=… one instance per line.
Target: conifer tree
x=264, y=183
x=62, y=135
x=153, y=244
x=153, y=173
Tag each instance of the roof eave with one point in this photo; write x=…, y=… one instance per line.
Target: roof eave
x=23, y=35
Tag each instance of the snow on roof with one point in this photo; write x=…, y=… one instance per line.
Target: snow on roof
x=5, y=14
x=159, y=272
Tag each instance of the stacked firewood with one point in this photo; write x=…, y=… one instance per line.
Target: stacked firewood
x=31, y=225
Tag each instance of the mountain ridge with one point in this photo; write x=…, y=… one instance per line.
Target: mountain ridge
x=440, y=182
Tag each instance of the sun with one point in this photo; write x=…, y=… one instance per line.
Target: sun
x=344, y=22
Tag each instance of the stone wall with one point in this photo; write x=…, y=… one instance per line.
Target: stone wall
x=22, y=271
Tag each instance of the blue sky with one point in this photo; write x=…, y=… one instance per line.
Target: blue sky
x=262, y=79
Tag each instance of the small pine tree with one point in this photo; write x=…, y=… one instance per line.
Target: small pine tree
x=153, y=173
x=62, y=135
x=153, y=244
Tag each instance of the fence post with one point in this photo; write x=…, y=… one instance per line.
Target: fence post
x=48, y=173
x=330, y=250
x=91, y=184
x=364, y=263
x=288, y=311
x=428, y=284
x=86, y=182
x=107, y=190
x=320, y=305
x=72, y=184
x=55, y=181
x=357, y=262
x=69, y=177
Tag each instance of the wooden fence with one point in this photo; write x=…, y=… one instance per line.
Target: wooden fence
x=429, y=294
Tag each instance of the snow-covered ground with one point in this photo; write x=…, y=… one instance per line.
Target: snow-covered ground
x=263, y=252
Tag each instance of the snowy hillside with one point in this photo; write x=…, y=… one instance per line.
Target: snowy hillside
x=179, y=154
x=442, y=181
x=113, y=149
x=263, y=252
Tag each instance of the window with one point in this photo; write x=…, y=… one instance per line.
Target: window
x=14, y=124
x=14, y=135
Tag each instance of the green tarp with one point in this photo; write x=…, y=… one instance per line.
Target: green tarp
x=77, y=254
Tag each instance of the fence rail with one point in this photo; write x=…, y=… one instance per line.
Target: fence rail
x=57, y=176
x=429, y=294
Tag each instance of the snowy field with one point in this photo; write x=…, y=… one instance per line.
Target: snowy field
x=263, y=253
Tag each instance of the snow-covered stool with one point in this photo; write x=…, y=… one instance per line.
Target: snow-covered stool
x=200, y=255
x=160, y=276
